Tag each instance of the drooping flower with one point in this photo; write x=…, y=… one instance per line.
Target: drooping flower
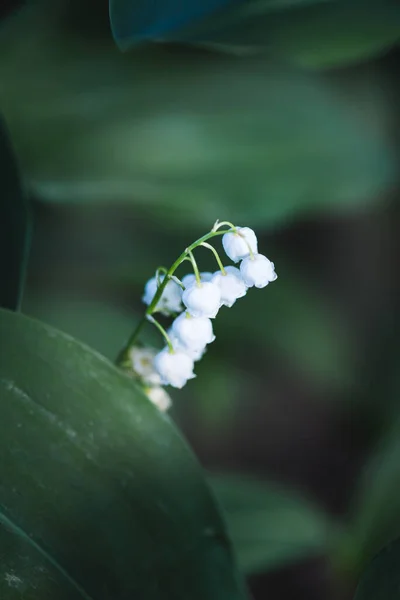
x=175, y=368
x=202, y=299
x=190, y=278
x=171, y=299
x=193, y=333
x=195, y=354
x=258, y=271
x=231, y=285
x=142, y=363
x=237, y=245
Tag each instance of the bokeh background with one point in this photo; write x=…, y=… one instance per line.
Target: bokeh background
x=279, y=116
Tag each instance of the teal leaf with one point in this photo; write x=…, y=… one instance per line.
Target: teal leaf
x=270, y=525
x=188, y=137
x=15, y=226
x=100, y=497
x=315, y=34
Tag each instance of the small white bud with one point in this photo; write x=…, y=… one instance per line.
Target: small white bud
x=159, y=397
x=175, y=368
x=231, y=285
x=236, y=244
x=142, y=361
x=258, y=271
x=171, y=299
x=193, y=333
x=202, y=300
x=190, y=278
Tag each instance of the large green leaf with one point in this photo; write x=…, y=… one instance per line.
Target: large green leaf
x=316, y=34
x=381, y=579
x=100, y=497
x=14, y=226
x=190, y=136
x=270, y=525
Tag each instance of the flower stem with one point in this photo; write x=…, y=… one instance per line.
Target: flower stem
x=151, y=308
x=195, y=267
x=162, y=330
x=217, y=258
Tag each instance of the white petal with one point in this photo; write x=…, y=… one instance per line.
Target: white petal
x=142, y=361
x=231, y=285
x=190, y=278
x=171, y=299
x=193, y=333
x=175, y=368
x=159, y=397
x=257, y=271
x=202, y=300
x=237, y=244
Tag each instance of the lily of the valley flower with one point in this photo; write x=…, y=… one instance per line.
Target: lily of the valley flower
x=142, y=363
x=240, y=244
x=258, y=271
x=190, y=278
x=171, y=299
x=202, y=299
x=175, y=368
x=194, y=353
x=193, y=333
x=231, y=285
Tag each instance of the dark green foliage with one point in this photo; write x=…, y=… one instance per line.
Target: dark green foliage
x=14, y=226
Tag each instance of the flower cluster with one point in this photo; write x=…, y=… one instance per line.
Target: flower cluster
x=193, y=302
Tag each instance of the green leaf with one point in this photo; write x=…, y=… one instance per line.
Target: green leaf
x=317, y=34
x=270, y=525
x=104, y=327
x=100, y=497
x=381, y=579
x=15, y=227
x=217, y=136
x=375, y=513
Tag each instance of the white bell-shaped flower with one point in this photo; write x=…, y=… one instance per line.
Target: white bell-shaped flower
x=175, y=368
x=142, y=362
x=193, y=332
x=190, y=278
x=237, y=244
x=159, y=397
x=194, y=353
x=231, y=285
x=202, y=299
x=257, y=271
x=171, y=299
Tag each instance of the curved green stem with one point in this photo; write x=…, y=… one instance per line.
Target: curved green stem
x=162, y=330
x=213, y=250
x=151, y=308
x=194, y=265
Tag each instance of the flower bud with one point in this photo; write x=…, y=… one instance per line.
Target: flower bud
x=231, y=285
x=171, y=299
x=237, y=244
x=175, y=368
x=257, y=271
x=193, y=332
x=159, y=397
x=202, y=299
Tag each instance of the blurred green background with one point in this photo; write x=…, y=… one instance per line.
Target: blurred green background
x=281, y=116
